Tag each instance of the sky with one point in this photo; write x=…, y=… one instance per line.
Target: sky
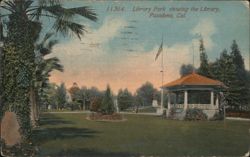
x=120, y=48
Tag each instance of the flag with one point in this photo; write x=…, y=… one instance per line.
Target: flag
x=159, y=51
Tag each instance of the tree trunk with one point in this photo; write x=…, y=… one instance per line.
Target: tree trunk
x=1, y=53
x=36, y=105
x=1, y=104
x=33, y=106
x=37, y=108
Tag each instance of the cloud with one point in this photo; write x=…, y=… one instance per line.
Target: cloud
x=206, y=28
x=108, y=31
x=77, y=54
x=124, y=69
x=94, y=41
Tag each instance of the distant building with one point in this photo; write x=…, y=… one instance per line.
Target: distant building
x=193, y=91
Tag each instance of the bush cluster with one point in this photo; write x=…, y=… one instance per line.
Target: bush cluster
x=195, y=114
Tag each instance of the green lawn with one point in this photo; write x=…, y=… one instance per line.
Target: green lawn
x=73, y=135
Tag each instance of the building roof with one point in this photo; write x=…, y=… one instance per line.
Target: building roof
x=193, y=79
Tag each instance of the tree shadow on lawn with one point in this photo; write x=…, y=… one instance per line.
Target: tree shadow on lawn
x=49, y=134
x=93, y=153
x=58, y=130
x=42, y=136
x=51, y=119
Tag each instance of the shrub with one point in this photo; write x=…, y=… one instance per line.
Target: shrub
x=96, y=104
x=171, y=113
x=26, y=148
x=217, y=116
x=100, y=116
x=195, y=114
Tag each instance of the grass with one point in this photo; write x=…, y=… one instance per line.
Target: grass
x=73, y=135
x=148, y=110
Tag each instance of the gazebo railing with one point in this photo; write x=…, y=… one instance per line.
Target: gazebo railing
x=191, y=106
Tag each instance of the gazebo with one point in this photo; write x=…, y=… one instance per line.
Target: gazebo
x=193, y=91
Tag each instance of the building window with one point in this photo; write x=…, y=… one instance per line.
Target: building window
x=199, y=97
x=177, y=97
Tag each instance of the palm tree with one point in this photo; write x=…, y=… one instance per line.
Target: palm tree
x=23, y=26
x=42, y=73
x=1, y=50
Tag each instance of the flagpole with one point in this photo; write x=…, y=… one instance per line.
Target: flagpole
x=193, y=53
x=162, y=79
x=162, y=71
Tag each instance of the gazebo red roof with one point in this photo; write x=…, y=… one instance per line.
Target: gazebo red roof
x=194, y=79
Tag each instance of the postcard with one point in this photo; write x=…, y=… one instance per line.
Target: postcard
x=124, y=78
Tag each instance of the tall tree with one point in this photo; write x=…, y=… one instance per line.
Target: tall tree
x=238, y=61
x=124, y=99
x=49, y=96
x=43, y=67
x=248, y=85
x=225, y=70
x=61, y=96
x=227, y=74
x=18, y=66
x=204, y=66
x=80, y=96
x=23, y=27
x=222, y=69
x=107, y=106
x=145, y=94
x=74, y=92
x=240, y=86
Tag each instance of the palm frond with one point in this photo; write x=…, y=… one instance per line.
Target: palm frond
x=17, y=6
x=37, y=11
x=49, y=2
x=47, y=37
x=64, y=17
x=51, y=60
x=58, y=11
x=52, y=64
x=45, y=67
x=27, y=4
x=48, y=48
x=44, y=51
x=86, y=12
x=64, y=26
x=45, y=46
x=10, y=6
x=51, y=44
x=57, y=66
x=4, y=15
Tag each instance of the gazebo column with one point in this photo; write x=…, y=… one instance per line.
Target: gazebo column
x=217, y=101
x=212, y=100
x=169, y=100
x=185, y=99
x=168, y=110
